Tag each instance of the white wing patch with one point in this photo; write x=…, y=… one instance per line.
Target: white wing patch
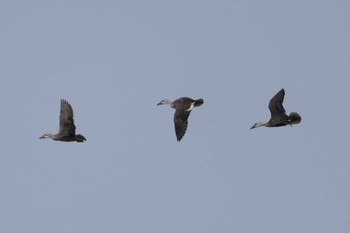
x=192, y=105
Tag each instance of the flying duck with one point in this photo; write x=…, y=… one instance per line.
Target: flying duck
x=183, y=107
x=66, y=131
x=279, y=116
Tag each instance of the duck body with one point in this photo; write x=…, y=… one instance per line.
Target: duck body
x=67, y=127
x=279, y=117
x=183, y=107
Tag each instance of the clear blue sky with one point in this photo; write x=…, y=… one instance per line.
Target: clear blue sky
x=115, y=60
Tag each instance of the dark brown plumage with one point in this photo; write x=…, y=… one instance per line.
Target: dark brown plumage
x=183, y=106
x=66, y=130
x=279, y=116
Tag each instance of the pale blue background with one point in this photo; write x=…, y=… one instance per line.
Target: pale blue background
x=115, y=60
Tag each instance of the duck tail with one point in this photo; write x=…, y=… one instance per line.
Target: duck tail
x=295, y=118
x=80, y=138
x=198, y=102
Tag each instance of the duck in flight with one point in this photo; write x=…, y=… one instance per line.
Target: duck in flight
x=183, y=107
x=279, y=116
x=66, y=131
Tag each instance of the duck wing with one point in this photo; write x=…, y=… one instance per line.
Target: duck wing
x=276, y=104
x=67, y=127
x=181, y=122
